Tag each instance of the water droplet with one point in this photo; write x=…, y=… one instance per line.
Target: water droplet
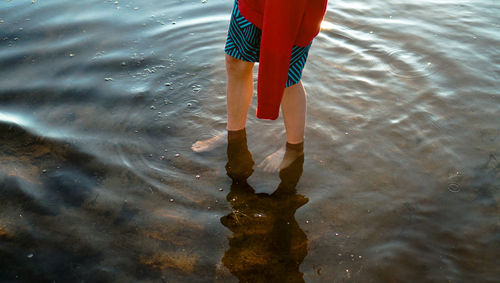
x=108, y=79
x=71, y=55
x=198, y=176
x=30, y=255
x=168, y=84
x=152, y=107
x=177, y=155
x=221, y=189
x=336, y=234
x=171, y=200
x=307, y=221
x=204, y=1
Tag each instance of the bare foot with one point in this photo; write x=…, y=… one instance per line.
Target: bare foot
x=210, y=144
x=272, y=162
x=290, y=157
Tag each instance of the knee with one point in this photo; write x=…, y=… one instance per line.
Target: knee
x=238, y=67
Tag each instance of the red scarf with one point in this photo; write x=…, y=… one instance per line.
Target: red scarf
x=284, y=23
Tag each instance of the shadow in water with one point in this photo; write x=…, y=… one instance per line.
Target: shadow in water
x=267, y=244
x=44, y=184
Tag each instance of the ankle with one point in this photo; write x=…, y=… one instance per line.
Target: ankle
x=238, y=135
x=298, y=147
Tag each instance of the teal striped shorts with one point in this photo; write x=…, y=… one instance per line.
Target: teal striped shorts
x=243, y=42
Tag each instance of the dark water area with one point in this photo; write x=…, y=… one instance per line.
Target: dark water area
x=100, y=102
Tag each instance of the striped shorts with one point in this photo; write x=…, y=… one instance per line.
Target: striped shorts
x=243, y=42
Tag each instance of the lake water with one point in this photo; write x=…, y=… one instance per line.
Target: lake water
x=100, y=102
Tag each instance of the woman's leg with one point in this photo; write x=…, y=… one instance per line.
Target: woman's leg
x=239, y=92
x=239, y=96
x=293, y=108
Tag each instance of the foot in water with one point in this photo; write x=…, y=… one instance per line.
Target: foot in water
x=272, y=162
x=211, y=143
x=282, y=158
x=292, y=153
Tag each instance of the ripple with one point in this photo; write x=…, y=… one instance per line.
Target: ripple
x=154, y=168
x=454, y=187
x=137, y=191
x=408, y=64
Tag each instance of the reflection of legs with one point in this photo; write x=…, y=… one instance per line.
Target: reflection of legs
x=239, y=92
x=239, y=96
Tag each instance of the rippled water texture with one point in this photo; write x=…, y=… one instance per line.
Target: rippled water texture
x=100, y=102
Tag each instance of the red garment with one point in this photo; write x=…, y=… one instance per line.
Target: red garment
x=284, y=23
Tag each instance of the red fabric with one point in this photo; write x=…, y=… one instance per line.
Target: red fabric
x=284, y=23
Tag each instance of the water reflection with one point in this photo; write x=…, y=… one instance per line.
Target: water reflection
x=267, y=244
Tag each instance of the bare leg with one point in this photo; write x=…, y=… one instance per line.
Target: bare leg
x=293, y=108
x=239, y=92
x=239, y=96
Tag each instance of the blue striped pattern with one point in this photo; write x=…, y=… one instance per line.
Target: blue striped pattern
x=243, y=42
x=297, y=63
x=243, y=39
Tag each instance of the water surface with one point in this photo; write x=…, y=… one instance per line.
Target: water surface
x=100, y=102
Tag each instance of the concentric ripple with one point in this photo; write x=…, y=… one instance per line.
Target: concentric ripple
x=407, y=64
